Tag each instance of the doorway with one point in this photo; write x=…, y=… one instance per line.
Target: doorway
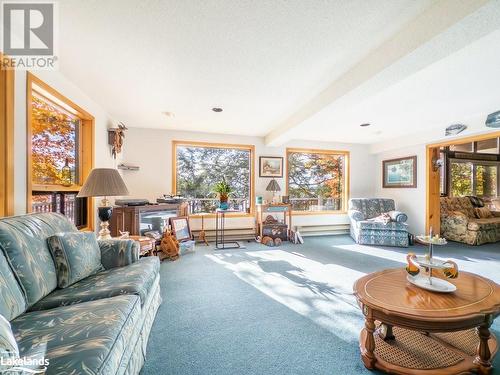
x=460, y=167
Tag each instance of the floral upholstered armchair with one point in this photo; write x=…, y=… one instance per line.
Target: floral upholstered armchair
x=375, y=221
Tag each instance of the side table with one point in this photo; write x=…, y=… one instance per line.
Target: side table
x=409, y=330
x=220, y=221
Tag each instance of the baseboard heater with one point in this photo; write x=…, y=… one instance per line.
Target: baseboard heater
x=322, y=230
x=249, y=233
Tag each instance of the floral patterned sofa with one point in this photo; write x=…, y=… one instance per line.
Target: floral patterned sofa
x=99, y=325
x=459, y=222
x=365, y=230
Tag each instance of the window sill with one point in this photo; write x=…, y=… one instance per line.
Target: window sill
x=212, y=215
x=51, y=188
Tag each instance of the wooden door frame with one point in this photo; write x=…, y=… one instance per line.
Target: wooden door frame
x=433, y=212
x=6, y=141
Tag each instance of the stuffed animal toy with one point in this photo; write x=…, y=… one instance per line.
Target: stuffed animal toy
x=169, y=246
x=277, y=241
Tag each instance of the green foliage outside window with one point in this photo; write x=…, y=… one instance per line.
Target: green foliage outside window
x=316, y=180
x=467, y=178
x=200, y=169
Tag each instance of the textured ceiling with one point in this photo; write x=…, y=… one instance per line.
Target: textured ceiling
x=259, y=60
x=262, y=60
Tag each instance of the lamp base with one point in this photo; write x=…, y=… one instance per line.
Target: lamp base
x=104, y=233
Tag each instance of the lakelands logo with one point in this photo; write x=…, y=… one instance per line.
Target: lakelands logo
x=29, y=35
x=23, y=365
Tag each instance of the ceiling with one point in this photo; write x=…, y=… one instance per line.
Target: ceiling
x=268, y=64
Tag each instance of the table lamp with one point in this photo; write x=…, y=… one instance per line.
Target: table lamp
x=273, y=186
x=104, y=182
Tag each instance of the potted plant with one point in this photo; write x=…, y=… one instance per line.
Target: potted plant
x=223, y=189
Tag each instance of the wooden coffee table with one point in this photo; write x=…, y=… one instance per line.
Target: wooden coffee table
x=409, y=330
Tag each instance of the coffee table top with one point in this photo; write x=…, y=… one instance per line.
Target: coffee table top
x=389, y=291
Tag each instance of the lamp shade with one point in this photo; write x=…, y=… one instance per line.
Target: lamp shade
x=273, y=186
x=103, y=182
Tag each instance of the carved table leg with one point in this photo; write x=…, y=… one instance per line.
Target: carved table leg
x=385, y=332
x=368, y=355
x=483, y=358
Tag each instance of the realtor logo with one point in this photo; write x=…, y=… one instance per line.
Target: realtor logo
x=29, y=34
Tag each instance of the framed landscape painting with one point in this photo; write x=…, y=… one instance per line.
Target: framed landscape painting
x=400, y=173
x=180, y=228
x=270, y=166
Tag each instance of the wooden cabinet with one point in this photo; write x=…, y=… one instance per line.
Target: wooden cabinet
x=139, y=219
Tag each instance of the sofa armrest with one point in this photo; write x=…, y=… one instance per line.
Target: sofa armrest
x=356, y=215
x=118, y=253
x=398, y=216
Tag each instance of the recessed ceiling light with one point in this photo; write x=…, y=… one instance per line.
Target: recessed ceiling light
x=169, y=114
x=365, y=125
x=217, y=109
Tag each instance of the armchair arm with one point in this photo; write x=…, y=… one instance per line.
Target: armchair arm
x=398, y=216
x=118, y=253
x=356, y=215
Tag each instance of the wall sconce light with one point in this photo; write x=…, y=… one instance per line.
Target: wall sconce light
x=436, y=164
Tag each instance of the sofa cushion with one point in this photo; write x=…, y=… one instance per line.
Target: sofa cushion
x=88, y=338
x=484, y=224
x=137, y=278
x=378, y=225
x=8, y=346
x=462, y=204
x=77, y=256
x=23, y=239
x=12, y=302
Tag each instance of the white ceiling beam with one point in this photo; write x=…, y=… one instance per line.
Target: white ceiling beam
x=442, y=15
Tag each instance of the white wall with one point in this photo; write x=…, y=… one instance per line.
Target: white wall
x=151, y=150
x=102, y=154
x=412, y=201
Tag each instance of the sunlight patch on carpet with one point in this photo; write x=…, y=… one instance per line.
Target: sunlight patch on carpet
x=320, y=292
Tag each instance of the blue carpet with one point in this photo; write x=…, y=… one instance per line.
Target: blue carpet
x=286, y=310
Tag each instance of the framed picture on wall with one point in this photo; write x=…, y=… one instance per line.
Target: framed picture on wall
x=400, y=173
x=180, y=228
x=270, y=166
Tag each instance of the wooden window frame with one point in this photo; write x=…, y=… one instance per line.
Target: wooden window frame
x=251, y=148
x=347, y=178
x=85, y=149
x=6, y=141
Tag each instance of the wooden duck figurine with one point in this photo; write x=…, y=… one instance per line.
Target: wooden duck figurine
x=412, y=267
x=451, y=272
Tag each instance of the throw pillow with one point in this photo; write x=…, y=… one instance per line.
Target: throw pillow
x=76, y=255
x=383, y=218
x=8, y=346
x=483, y=213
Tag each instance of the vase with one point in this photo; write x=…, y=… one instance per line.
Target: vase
x=223, y=205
